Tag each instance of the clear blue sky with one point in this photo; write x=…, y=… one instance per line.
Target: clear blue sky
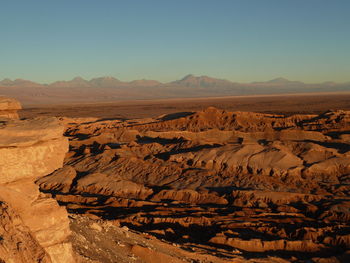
x=239, y=40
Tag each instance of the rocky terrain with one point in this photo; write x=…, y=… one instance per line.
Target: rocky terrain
x=9, y=108
x=207, y=186
x=33, y=227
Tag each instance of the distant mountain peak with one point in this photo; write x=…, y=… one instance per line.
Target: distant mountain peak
x=187, y=77
x=279, y=80
x=78, y=79
x=191, y=77
x=145, y=82
x=6, y=81
x=192, y=80
x=189, y=86
x=18, y=83
x=106, y=77
x=106, y=81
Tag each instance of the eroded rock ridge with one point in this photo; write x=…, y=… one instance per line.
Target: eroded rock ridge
x=255, y=185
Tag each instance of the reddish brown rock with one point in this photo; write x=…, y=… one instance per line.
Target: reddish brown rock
x=240, y=184
x=9, y=108
x=30, y=149
x=18, y=245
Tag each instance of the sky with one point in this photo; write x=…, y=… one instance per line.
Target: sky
x=238, y=40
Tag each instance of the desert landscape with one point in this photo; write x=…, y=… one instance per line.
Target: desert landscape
x=210, y=185
x=164, y=131
x=287, y=104
x=109, y=89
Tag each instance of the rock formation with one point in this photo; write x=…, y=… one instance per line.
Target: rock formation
x=264, y=185
x=9, y=108
x=33, y=227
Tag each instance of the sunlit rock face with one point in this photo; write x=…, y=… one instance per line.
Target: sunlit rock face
x=9, y=108
x=30, y=149
x=252, y=183
x=18, y=243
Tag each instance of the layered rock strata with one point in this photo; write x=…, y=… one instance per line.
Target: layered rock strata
x=262, y=185
x=30, y=149
x=9, y=108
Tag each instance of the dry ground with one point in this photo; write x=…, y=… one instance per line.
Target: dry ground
x=227, y=186
x=282, y=104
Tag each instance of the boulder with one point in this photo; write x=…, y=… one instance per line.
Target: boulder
x=9, y=108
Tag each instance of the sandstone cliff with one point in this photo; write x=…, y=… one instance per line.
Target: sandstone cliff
x=30, y=149
x=9, y=108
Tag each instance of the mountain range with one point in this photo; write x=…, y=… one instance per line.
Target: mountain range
x=110, y=88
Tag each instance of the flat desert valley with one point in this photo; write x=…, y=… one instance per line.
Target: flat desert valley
x=283, y=104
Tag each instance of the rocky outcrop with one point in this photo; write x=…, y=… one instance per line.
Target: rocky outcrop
x=256, y=245
x=248, y=183
x=28, y=150
x=17, y=241
x=9, y=108
x=190, y=196
x=31, y=148
x=105, y=185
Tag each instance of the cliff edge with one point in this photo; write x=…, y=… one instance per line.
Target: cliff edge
x=33, y=227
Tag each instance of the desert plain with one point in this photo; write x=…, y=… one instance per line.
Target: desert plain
x=287, y=104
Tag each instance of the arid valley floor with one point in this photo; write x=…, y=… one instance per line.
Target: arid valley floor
x=311, y=103
x=239, y=179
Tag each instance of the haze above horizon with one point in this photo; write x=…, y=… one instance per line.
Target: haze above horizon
x=241, y=41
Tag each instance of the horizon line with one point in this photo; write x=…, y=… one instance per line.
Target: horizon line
x=161, y=82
